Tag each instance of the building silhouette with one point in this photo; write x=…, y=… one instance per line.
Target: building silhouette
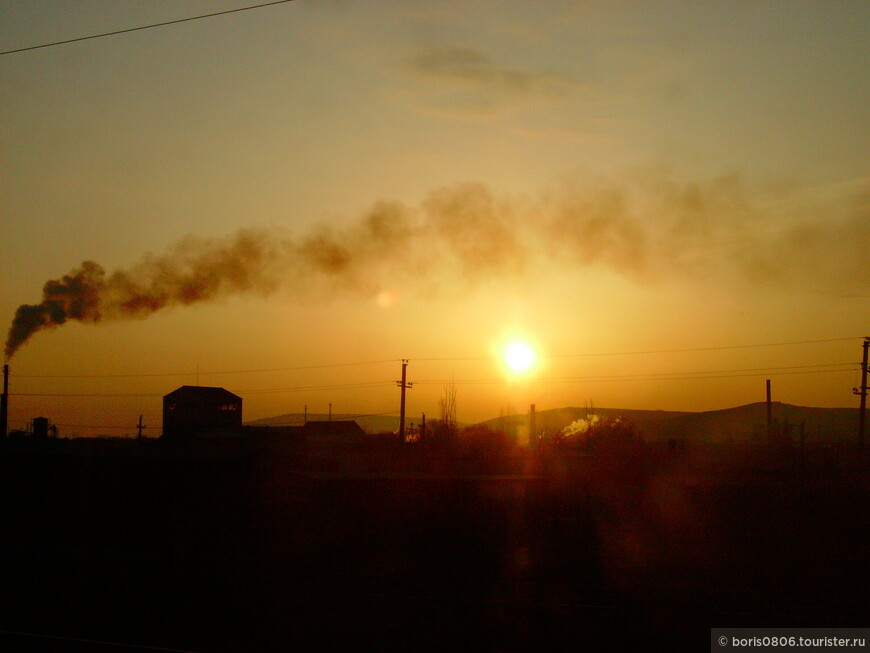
x=197, y=410
x=334, y=430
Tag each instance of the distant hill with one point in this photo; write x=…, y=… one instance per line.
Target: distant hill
x=741, y=423
x=716, y=426
x=556, y=419
x=729, y=425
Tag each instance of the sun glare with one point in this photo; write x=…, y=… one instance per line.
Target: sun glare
x=519, y=357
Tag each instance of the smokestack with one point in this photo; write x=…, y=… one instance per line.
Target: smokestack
x=4, y=403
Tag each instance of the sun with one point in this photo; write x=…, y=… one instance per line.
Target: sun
x=519, y=357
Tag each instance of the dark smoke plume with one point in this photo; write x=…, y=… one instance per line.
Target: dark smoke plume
x=194, y=270
x=649, y=229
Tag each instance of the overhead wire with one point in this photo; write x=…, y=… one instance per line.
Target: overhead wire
x=335, y=386
x=340, y=416
x=653, y=376
x=201, y=373
x=144, y=27
x=664, y=376
x=656, y=351
x=444, y=359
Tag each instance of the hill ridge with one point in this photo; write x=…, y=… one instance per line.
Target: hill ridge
x=737, y=423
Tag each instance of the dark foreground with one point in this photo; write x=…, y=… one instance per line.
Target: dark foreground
x=238, y=550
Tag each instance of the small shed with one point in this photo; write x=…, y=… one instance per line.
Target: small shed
x=199, y=410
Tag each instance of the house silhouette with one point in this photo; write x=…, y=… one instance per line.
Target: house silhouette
x=338, y=429
x=197, y=410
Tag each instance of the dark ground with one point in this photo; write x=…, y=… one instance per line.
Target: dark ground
x=236, y=550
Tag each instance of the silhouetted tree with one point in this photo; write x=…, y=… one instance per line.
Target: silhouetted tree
x=447, y=404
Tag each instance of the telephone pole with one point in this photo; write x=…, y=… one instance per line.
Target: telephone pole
x=862, y=392
x=140, y=427
x=404, y=385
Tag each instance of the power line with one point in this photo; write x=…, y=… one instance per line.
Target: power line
x=397, y=360
x=664, y=376
x=723, y=347
x=200, y=373
x=340, y=386
x=104, y=395
x=129, y=427
x=142, y=27
x=655, y=351
x=338, y=416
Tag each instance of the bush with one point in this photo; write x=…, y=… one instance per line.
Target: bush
x=484, y=441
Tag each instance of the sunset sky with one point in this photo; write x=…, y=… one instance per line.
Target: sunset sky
x=347, y=184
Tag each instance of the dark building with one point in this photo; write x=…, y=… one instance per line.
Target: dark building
x=197, y=410
x=338, y=429
x=40, y=427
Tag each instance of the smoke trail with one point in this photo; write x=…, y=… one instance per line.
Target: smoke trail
x=647, y=229
x=194, y=270
x=197, y=270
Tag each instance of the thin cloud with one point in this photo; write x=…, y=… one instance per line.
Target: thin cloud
x=467, y=83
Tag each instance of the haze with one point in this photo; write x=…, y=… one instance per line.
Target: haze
x=349, y=182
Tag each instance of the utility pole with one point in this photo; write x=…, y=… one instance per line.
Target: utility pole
x=140, y=427
x=404, y=385
x=862, y=392
x=769, y=415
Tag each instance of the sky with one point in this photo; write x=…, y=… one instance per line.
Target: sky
x=289, y=201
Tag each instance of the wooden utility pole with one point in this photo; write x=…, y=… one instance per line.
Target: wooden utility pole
x=140, y=427
x=862, y=392
x=404, y=385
